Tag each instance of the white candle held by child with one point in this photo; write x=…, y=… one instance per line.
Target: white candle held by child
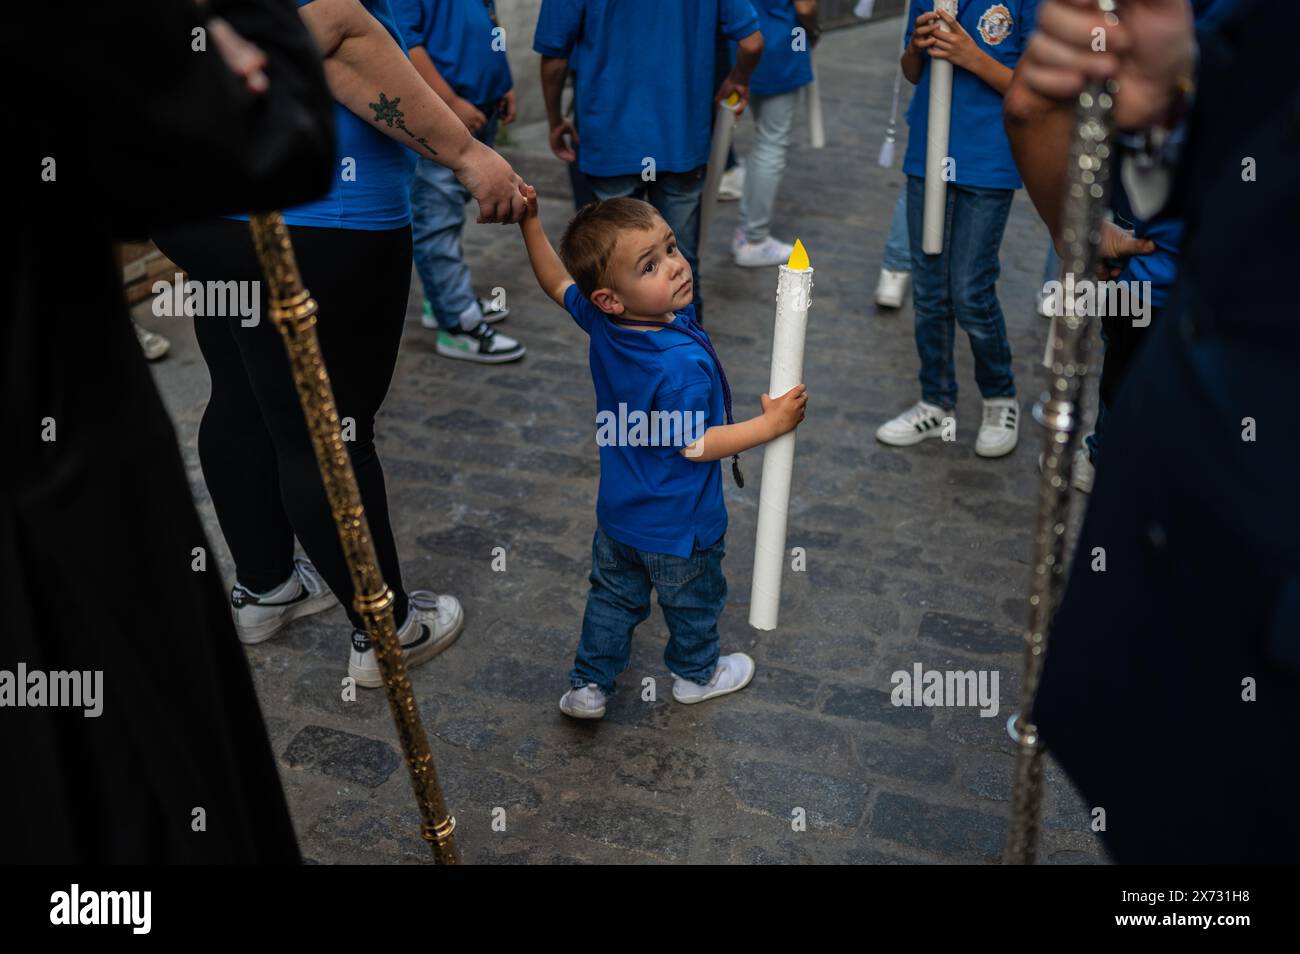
x=936, y=144
x=793, y=297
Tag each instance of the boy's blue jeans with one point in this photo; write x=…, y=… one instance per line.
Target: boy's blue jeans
x=437, y=221
x=676, y=196
x=898, y=247
x=959, y=287
x=692, y=593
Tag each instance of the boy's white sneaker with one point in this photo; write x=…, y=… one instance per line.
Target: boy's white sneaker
x=762, y=254
x=258, y=617
x=914, y=425
x=891, y=289
x=432, y=624
x=1000, y=429
x=584, y=702
x=731, y=185
x=734, y=671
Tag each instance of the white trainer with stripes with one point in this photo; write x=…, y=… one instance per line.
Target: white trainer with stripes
x=913, y=425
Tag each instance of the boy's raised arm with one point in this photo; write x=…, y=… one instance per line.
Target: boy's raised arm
x=547, y=266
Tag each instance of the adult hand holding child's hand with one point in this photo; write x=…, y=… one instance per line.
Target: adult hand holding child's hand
x=786, y=411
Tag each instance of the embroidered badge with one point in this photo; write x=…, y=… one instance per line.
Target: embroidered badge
x=995, y=24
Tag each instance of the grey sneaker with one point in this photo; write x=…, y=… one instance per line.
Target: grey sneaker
x=258, y=618
x=432, y=624
x=584, y=702
x=734, y=672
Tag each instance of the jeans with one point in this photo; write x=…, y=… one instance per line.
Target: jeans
x=898, y=247
x=437, y=221
x=692, y=593
x=677, y=197
x=773, y=120
x=959, y=287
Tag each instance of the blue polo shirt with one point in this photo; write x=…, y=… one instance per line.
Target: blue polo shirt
x=457, y=35
x=646, y=86
x=651, y=496
x=372, y=173
x=976, y=140
x=782, y=68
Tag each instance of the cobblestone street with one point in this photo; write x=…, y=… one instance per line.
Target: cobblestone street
x=915, y=555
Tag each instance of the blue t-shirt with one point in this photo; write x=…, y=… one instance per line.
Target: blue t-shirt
x=977, y=142
x=372, y=191
x=646, y=86
x=782, y=67
x=656, y=392
x=457, y=35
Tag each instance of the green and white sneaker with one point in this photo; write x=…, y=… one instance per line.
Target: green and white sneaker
x=483, y=345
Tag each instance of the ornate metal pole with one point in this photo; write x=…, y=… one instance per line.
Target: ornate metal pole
x=1058, y=410
x=293, y=312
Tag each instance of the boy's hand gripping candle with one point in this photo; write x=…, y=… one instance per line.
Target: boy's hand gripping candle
x=793, y=297
x=936, y=144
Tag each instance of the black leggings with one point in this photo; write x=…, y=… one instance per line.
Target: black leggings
x=257, y=458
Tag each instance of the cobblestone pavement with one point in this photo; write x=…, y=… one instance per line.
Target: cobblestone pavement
x=913, y=556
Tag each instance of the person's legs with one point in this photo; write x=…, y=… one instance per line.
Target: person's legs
x=437, y=219
x=773, y=120
x=692, y=594
x=979, y=217
x=360, y=281
x=239, y=460
x=619, y=599
x=932, y=303
x=898, y=246
x=677, y=197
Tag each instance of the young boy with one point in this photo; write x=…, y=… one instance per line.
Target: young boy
x=660, y=516
x=959, y=285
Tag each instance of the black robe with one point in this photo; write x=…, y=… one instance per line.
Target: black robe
x=97, y=527
x=1171, y=688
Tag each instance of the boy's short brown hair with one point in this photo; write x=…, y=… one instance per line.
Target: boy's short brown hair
x=588, y=242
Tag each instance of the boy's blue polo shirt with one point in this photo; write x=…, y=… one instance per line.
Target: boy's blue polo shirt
x=457, y=35
x=646, y=86
x=782, y=67
x=652, y=497
x=373, y=191
x=976, y=142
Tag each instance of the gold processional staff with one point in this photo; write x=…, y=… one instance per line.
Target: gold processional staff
x=1087, y=200
x=293, y=312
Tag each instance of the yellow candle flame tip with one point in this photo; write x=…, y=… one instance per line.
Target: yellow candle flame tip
x=799, y=257
x=733, y=99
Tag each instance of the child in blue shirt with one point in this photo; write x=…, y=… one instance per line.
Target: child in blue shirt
x=663, y=421
x=459, y=50
x=958, y=286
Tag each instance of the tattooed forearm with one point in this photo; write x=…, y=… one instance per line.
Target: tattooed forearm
x=388, y=112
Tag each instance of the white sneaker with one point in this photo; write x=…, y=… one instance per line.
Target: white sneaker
x=770, y=251
x=731, y=186
x=152, y=344
x=432, y=624
x=1000, y=428
x=584, y=702
x=891, y=289
x=914, y=425
x=733, y=673
x=1081, y=474
x=258, y=618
